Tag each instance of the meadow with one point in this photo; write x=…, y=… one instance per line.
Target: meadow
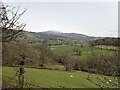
x=75, y=61
x=86, y=52
x=56, y=79
x=107, y=47
x=45, y=78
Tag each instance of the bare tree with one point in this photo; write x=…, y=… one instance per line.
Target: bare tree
x=11, y=27
x=9, y=22
x=110, y=65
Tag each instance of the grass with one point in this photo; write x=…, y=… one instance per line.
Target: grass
x=54, y=78
x=86, y=51
x=61, y=48
x=107, y=47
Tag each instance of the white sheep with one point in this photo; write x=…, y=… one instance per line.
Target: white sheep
x=110, y=80
x=71, y=76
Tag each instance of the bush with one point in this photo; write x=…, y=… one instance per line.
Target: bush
x=101, y=65
x=12, y=51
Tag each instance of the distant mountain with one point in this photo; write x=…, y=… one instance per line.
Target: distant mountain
x=50, y=32
x=56, y=38
x=81, y=37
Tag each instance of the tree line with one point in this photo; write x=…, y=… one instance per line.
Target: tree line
x=106, y=41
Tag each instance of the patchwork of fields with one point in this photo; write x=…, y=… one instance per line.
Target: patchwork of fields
x=65, y=56
x=44, y=78
x=86, y=52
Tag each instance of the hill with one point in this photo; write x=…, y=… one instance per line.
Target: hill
x=41, y=78
x=53, y=38
x=59, y=38
x=81, y=37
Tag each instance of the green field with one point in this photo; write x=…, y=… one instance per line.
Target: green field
x=44, y=78
x=54, y=78
x=86, y=51
x=107, y=47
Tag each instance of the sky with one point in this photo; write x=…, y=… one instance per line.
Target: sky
x=89, y=18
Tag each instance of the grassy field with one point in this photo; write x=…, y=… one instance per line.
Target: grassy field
x=107, y=47
x=86, y=51
x=43, y=78
x=54, y=79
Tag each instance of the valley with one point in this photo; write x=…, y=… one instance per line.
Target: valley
x=54, y=60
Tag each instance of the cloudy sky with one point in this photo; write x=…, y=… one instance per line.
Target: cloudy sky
x=90, y=18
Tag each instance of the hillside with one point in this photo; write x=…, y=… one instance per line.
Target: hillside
x=53, y=38
x=81, y=37
x=58, y=61
x=106, y=41
x=41, y=78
